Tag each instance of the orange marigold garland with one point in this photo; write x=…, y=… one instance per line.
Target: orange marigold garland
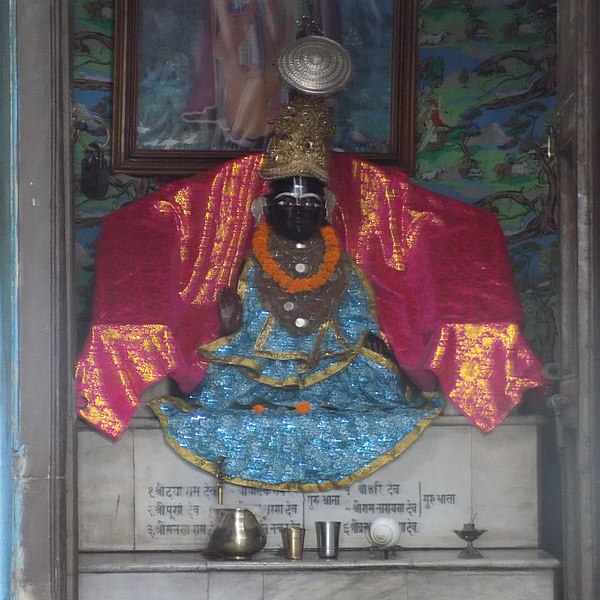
x=331, y=257
x=303, y=408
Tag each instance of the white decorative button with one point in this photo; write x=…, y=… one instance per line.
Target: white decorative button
x=300, y=245
x=289, y=306
x=301, y=322
x=300, y=268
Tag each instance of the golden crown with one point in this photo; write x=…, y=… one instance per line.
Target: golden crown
x=301, y=139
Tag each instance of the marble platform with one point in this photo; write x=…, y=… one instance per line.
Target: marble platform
x=137, y=494
x=410, y=575
x=145, y=517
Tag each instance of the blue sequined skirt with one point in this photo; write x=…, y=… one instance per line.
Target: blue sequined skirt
x=358, y=412
x=347, y=433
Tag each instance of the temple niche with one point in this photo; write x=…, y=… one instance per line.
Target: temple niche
x=476, y=462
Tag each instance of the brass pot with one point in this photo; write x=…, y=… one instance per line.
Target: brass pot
x=237, y=535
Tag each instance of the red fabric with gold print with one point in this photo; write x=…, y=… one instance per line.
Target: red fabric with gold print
x=439, y=268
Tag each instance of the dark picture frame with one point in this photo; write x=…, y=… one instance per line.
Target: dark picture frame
x=163, y=123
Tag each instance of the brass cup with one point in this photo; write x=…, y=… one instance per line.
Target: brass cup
x=293, y=542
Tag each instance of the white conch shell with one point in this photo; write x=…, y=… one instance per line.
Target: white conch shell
x=384, y=532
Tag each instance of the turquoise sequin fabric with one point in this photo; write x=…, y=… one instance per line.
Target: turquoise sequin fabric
x=358, y=414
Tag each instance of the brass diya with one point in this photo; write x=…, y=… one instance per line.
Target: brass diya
x=469, y=533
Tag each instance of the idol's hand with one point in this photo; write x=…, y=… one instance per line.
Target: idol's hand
x=230, y=311
x=376, y=344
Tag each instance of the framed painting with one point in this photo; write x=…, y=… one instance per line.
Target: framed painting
x=196, y=82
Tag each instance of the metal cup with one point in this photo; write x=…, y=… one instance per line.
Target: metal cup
x=293, y=542
x=328, y=538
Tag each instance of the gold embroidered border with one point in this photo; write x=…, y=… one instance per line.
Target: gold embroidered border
x=254, y=368
x=294, y=486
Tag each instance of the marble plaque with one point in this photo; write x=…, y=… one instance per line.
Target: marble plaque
x=245, y=586
x=505, y=494
x=105, y=492
x=172, y=497
x=424, y=489
x=143, y=586
x=446, y=477
x=466, y=585
x=347, y=585
x=274, y=509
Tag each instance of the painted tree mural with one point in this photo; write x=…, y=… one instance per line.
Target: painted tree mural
x=487, y=89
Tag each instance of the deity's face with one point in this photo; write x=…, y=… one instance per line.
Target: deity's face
x=295, y=207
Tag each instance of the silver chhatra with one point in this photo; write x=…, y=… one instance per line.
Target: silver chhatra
x=315, y=65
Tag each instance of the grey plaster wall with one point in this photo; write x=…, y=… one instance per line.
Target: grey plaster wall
x=42, y=425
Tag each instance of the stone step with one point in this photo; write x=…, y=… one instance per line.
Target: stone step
x=501, y=574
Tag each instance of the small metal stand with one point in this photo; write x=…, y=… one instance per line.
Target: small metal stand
x=220, y=474
x=385, y=552
x=469, y=533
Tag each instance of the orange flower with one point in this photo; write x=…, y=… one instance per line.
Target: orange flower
x=258, y=409
x=260, y=248
x=303, y=408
